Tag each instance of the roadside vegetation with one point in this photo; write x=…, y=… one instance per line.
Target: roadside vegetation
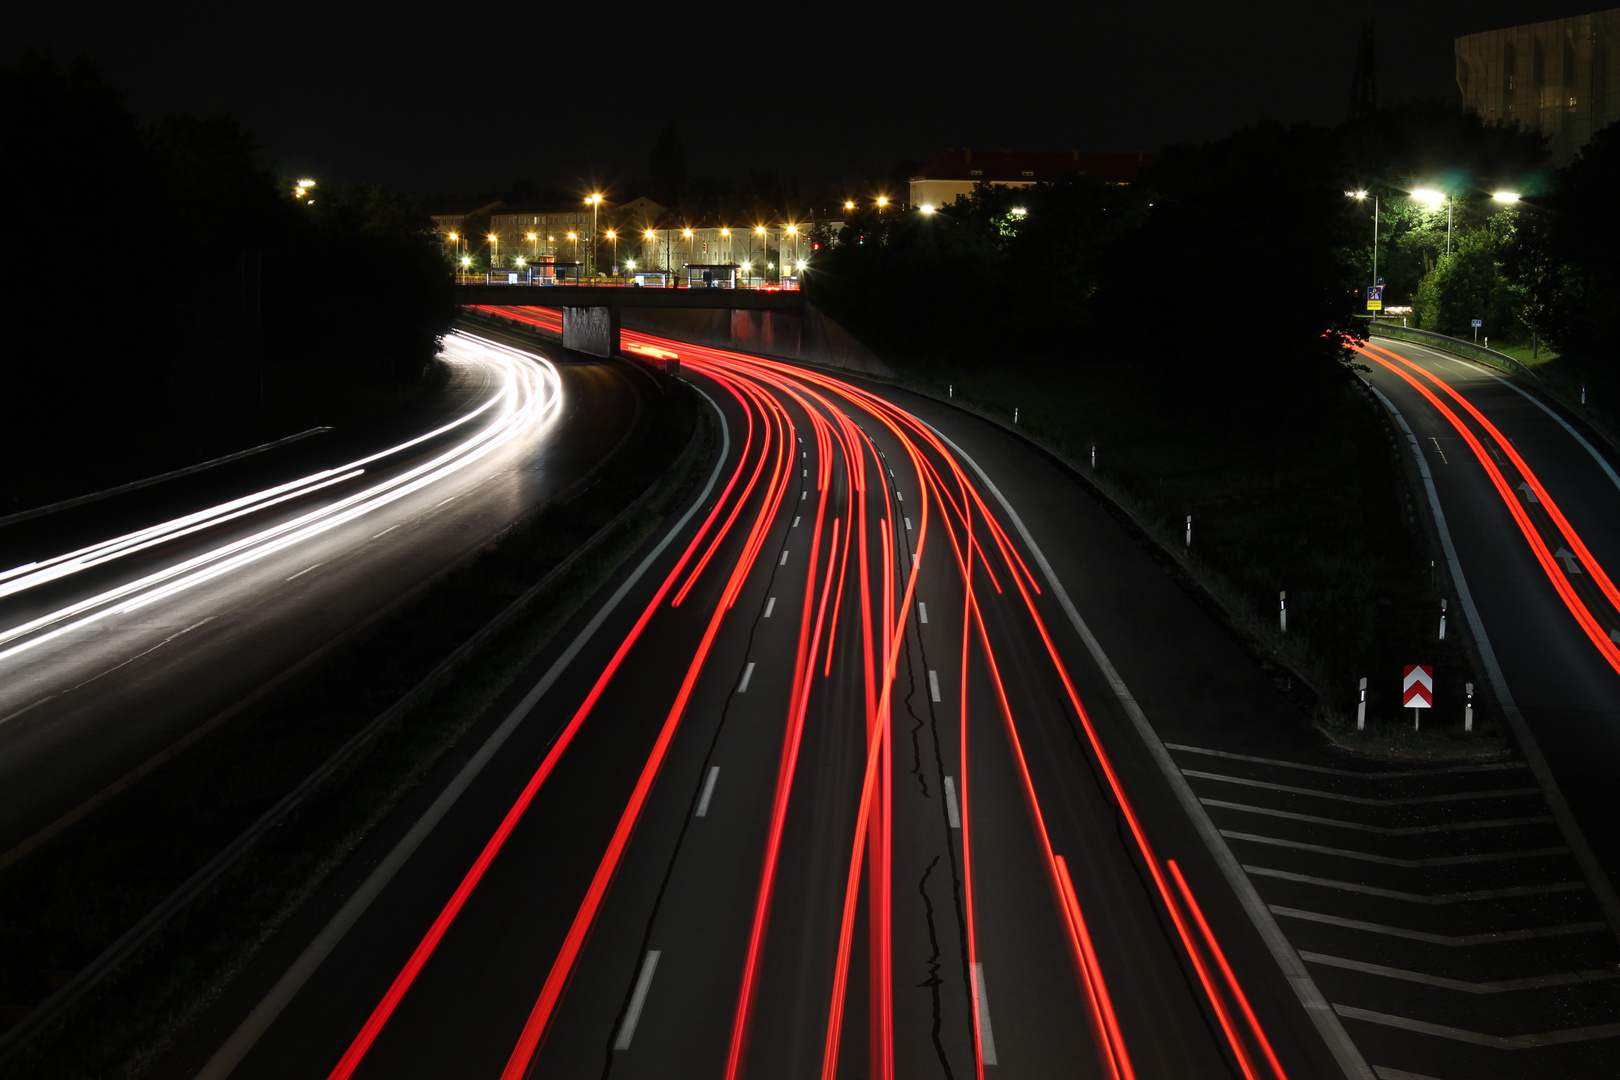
x=64, y=903
x=138, y=248
x=1187, y=327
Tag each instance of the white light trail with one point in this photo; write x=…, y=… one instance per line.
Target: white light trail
x=529, y=396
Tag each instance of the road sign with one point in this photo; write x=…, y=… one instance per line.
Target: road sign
x=1375, y=297
x=1417, y=687
x=1477, y=322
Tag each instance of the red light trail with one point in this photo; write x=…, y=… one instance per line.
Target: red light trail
x=852, y=510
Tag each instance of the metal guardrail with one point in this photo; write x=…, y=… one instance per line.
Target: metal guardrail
x=1500, y=361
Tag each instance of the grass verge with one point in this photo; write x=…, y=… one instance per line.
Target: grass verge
x=1334, y=525
x=63, y=904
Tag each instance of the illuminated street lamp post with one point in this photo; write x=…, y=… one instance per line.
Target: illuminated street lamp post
x=613, y=236
x=595, y=201
x=765, y=246
x=727, y=234
x=687, y=233
x=1361, y=195
x=652, y=238
x=494, y=251
x=534, y=239
x=793, y=231
x=575, y=238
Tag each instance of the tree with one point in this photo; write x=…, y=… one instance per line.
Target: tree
x=1565, y=253
x=1468, y=284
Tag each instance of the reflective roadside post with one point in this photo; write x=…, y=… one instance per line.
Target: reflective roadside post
x=1282, y=610
x=1361, y=706
x=1468, y=709
x=1442, y=620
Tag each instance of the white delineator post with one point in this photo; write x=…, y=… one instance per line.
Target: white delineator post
x=1442, y=620
x=1189, y=531
x=1282, y=610
x=1361, y=707
x=1468, y=710
x=1093, y=456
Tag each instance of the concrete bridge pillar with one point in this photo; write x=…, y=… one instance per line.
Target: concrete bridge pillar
x=591, y=330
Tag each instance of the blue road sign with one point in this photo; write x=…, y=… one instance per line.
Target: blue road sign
x=1478, y=322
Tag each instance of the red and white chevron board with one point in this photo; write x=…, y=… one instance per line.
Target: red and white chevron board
x=1417, y=687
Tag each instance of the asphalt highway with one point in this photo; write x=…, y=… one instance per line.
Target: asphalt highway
x=802, y=796
x=128, y=626
x=1533, y=511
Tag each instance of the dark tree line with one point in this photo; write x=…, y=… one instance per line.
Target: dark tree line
x=116, y=230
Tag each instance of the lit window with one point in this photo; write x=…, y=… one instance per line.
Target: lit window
x=975, y=172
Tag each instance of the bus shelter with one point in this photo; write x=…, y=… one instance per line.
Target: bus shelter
x=711, y=275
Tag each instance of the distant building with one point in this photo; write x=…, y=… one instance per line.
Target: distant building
x=954, y=172
x=1551, y=78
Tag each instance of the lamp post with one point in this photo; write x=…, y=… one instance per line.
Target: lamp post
x=793, y=231
x=727, y=234
x=494, y=250
x=687, y=234
x=613, y=236
x=575, y=238
x=1359, y=196
x=534, y=239
x=595, y=202
x=765, y=244
x=652, y=238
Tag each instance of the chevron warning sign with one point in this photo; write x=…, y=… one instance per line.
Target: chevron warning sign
x=1417, y=687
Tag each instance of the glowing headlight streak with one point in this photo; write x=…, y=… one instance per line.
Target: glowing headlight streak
x=522, y=376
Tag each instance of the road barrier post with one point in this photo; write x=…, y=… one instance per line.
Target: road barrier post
x=1189, y=532
x=1282, y=610
x=1468, y=709
x=1361, y=707
x=1442, y=620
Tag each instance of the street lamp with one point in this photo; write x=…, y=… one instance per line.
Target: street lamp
x=652, y=238
x=613, y=236
x=575, y=238
x=494, y=251
x=1358, y=196
x=727, y=234
x=793, y=231
x=595, y=201
x=1435, y=198
x=927, y=208
x=764, y=243
x=535, y=240
x=849, y=204
x=1506, y=196
x=687, y=233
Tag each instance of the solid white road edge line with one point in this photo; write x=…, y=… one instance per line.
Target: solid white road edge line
x=235, y=1048
x=627, y=1030
x=1602, y=887
x=748, y=676
x=1310, y=996
x=708, y=792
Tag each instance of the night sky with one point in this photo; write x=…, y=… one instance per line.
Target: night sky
x=459, y=98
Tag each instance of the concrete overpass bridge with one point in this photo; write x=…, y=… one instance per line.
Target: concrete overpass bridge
x=761, y=320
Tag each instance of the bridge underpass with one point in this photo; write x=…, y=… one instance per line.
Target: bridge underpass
x=772, y=323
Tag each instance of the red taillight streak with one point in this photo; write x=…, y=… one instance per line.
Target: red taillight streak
x=784, y=785
x=402, y=982
x=1538, y=546
x=829, y=1061
x=1220, y=961
x=1105, y=1026
x=535, y=1028
x=1098, y=1001
x=1564, y=527
x=1128, y=811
